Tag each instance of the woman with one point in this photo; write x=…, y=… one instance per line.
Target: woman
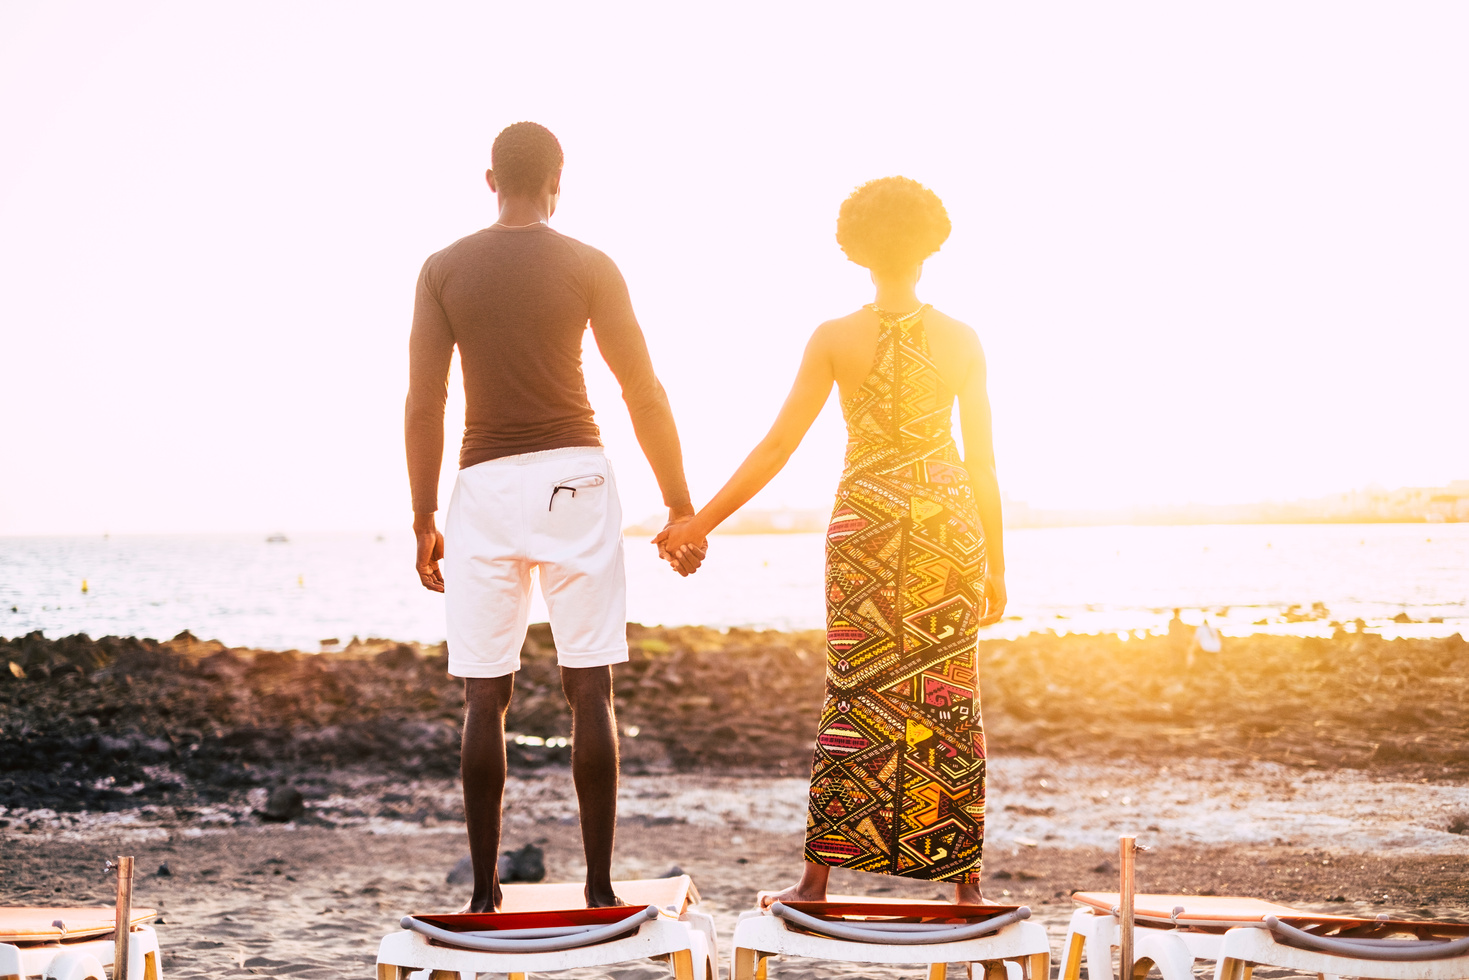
x=913, y=562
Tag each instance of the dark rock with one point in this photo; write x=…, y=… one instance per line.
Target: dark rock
x=114, y=746
x=285, y=803
x=226, y=721
x=164, y=871
x=222, y=666
x=527, y=864
x=672, y=872
x=462, y=873
x=1105, y=868
x=397, y=657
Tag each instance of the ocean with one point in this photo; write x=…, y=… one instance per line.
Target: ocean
x=314, y=588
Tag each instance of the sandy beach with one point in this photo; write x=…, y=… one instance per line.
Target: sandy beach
x=170, y=751
x=310, y=898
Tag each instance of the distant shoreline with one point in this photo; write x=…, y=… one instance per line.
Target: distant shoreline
x=1224, y=522
x=734, y=529
x=738, y=530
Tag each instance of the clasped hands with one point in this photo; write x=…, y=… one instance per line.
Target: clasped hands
x=680, y=546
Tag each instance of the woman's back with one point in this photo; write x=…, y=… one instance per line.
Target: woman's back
x=911, y=367
x=852, y=345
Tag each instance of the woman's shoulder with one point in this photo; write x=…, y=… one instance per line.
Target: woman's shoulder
x=953, y=341
x=841, y=330
x=860, y=317
x=937, y=321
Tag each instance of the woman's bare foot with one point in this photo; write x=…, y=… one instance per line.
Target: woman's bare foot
x=795, y=893
x=811, y=888
x=969, y=894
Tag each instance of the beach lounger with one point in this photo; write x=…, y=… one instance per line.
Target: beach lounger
x=548, y=928
x=871, y=930
x=74, y=944
x=1239, y=934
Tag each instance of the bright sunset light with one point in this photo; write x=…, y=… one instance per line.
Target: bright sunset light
x=760, y=491
x=1212, y=255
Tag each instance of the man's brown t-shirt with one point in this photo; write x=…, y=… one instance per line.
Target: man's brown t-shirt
x=516, y=301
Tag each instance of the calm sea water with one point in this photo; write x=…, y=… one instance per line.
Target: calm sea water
x=247, y=592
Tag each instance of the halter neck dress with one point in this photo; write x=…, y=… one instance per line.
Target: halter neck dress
x=897, y=779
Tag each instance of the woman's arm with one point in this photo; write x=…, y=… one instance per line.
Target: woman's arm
x=808, y=394
x=979, y=459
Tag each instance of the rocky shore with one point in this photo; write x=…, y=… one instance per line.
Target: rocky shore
x=286, y=809
x=116, y=723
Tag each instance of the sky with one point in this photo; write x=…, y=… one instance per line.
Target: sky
x=1214, y=253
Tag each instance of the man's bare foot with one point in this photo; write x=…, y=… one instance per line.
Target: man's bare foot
x=473, y=906
x=488, y=903
x=602, y=898
x=968, y=895
x=799, y=892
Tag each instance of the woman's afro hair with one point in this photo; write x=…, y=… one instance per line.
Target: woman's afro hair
x=523, y=156
x=892, y=224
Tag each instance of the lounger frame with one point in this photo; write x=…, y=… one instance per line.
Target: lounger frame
x=1235, y=952
x=687, y=942
x=86, y=959
x=1014, y=951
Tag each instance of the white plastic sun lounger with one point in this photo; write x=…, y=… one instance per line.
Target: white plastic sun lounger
x=1238, y=934
x=74, y=944
x=867, y=930
x=548, y=928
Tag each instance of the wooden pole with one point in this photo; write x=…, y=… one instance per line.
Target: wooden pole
x=124, y=922
x=1127, y=872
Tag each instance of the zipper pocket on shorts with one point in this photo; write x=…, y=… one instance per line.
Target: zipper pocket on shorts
x=574, y=484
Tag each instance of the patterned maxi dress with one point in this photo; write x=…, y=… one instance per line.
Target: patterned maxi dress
x=900, y=728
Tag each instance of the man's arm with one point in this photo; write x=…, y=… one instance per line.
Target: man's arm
x=621, y=342
x=430, y=350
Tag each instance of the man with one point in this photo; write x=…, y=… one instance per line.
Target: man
x=534, y=488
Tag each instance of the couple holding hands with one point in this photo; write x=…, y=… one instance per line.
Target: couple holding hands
x=914, y=564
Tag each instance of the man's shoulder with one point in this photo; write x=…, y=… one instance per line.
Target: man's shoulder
x=594, y=257
x=445, y=253
x=434, y=266
x=471, y=248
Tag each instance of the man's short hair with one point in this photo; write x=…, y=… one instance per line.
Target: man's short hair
x=524, y=155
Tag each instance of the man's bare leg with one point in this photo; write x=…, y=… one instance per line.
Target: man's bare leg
x=482, y=764
x=594, y=770
x=811, y=887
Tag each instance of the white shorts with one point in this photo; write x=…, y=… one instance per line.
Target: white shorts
x=556, y=510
